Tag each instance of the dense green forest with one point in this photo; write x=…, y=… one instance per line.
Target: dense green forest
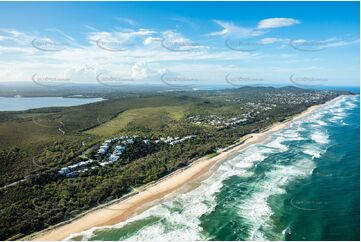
x=33, y=196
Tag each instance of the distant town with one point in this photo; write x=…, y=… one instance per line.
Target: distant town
x=105, y=149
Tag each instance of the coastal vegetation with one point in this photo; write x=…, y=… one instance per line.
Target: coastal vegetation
x=35, y=144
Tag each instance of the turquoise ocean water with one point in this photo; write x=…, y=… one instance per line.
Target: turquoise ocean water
x=301, y=183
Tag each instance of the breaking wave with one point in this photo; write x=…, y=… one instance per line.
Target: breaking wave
x=264, y=170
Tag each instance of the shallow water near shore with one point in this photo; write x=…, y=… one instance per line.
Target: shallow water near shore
x=301, y=183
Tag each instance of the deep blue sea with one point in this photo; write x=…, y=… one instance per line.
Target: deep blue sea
x=301, y=183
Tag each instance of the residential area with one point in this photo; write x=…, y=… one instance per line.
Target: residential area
x=113, y=150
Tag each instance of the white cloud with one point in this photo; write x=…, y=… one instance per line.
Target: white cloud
x=232, y=30
x=175, y=41
x=266, y=41
x=62, y=34
x=121, y=36
x=16, y=50
x=83, y=63
x=141, y=71
x=277, y=22
x=321, y=44
x=15, y=37
x=14, y=42
x=83, y=72
x=334, y=42
x=171, y=35
x=128, y=21
x=151, y=40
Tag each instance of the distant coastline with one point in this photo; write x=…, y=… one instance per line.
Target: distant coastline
x=122, y=209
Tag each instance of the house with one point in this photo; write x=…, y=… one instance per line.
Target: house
x=177, y=140
x=130, y=141
x=119, y=153
x=102, y=151
x=118, y=150
x=73, y=167
x=88, y=161
x=64, y=171
x=169, y=139
x=174, y=142
x=72, y=174
x=84, y=170
x=113, y=158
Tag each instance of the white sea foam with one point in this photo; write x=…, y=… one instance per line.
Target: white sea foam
x=248, y=162
x=312, y=151
x=321, y=123
x=292, y=134
x=341, y=109
x=320, y=137
x=350, y=105
x=255, y=209
x=184, y=223
x=277, y=144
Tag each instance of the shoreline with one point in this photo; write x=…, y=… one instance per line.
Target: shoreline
x=179, y=181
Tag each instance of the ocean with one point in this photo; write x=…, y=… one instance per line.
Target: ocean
x=301, y=183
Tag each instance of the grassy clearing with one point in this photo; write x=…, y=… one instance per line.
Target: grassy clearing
x=154, y=118
x=26, y=134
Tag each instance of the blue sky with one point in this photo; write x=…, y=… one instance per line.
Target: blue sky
x=236, y=43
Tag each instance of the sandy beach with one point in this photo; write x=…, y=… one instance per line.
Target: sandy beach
x=171, y=185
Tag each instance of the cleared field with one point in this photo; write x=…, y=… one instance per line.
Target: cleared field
x=55, y=135
x=153, y=118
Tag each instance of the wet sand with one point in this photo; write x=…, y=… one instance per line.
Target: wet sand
x=178, y=181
